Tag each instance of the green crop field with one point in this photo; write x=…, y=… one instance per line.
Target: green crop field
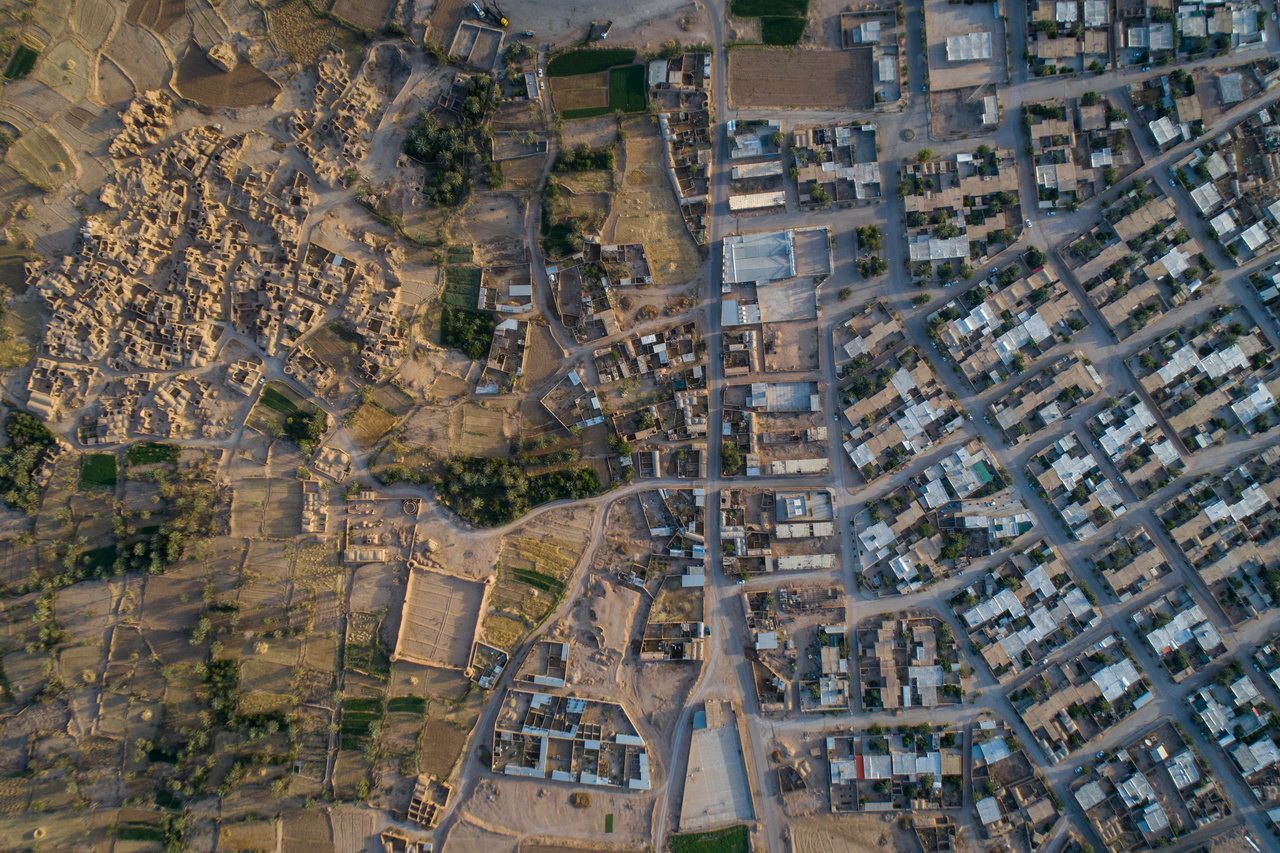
x=462, y=286
x=346, y=334
x=24, y=59
x=763, y=8
x=407, y=705
x=151, y=452
x=626, y=88
x=626, y=93
x=735, y=839
x=538, y=580
x=782, y=22
x=99, y=469
x=589, y=61
x=277, y=402
x=781, y=31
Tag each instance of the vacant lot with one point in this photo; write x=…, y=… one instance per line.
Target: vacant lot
x=205, y=83
x=759, y=77
x=645, y=210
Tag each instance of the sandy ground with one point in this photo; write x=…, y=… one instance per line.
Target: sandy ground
x=539, y=808
x=654, y=21
x=645, y=209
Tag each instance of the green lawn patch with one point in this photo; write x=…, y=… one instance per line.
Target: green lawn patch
x=608, y=823
x=98, y=469
x=466, y=330
x=735, y=839
x=151, y=452
x=24, y=59
x=626, y=88
x=781, y=31
x=763, y=8
x=407, y=705
x=590, y=61
x=459, y=254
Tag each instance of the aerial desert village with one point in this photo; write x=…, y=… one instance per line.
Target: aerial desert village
x=797, y=426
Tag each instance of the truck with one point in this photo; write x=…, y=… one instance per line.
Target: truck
x=496, y=13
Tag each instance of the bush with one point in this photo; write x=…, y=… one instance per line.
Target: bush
x=580, y=799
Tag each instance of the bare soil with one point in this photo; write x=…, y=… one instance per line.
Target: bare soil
x=805, y=79
x=200, y=80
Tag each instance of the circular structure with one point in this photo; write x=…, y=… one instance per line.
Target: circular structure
x=908, y=134
x=410, y=506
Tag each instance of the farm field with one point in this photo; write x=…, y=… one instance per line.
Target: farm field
x=782, y=22
x=366, y=14
x=92, y=22
x=155, y=15
x=41, y=158
x=205, y=83
x=65, y=70
x=24, y=59
x=600, y=93
x=98, y=469
x=299, y=33
x=578, y=62
x=573, y=95
x=759, y=77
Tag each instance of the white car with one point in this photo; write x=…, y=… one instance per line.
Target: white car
x=1028, y=223
x=539, y=73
